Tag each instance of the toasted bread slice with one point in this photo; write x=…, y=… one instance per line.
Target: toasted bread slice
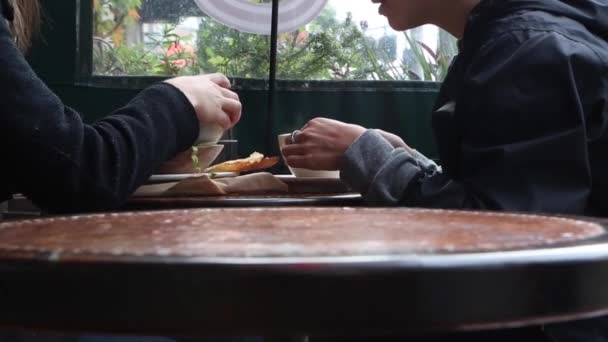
x=256, y=161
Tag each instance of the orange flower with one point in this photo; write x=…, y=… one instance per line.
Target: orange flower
x=298, y=37
x=134, y=14
x=183, y=50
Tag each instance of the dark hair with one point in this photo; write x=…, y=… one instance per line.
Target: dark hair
x=26, y=22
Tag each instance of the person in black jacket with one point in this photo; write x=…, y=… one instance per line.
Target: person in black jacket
x=521, y=121
x=64, y=165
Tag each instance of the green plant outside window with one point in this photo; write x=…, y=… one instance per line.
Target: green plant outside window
x=173, y=37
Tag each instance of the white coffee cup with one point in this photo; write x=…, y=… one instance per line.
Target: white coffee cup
x=298, y=172
x=209, y=134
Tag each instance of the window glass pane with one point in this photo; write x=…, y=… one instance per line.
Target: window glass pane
x=347, y=41
x=171, y=37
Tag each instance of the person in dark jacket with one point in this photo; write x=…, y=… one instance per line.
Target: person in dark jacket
x=64, y=165
x=521, y=121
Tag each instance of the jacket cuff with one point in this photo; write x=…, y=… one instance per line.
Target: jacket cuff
x=363, y=159
x=428, y=165
x=381, y=173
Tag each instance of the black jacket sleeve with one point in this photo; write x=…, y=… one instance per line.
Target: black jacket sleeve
x=515, y=138
x=63, y=164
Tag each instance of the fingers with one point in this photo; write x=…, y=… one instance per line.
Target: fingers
x=320, y=120
x=304, y=162
x=306, y=135
x=311, y=162
x=231, y=105
x=233, y=109
x=229, y=94
x=296, y=134
x=295, y=149
x=292, y=139
x=220, y=80
x=223, y=119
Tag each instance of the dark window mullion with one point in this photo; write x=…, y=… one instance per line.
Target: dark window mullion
x=272, y=79
x=84, y=26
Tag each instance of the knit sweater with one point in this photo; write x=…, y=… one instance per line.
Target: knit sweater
x=66, y=165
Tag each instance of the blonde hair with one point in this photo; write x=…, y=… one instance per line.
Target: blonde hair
x=26, y=22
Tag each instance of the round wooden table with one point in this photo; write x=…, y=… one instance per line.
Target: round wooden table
x=316, y=271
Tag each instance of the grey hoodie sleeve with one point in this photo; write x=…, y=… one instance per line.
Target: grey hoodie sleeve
x=382, y=173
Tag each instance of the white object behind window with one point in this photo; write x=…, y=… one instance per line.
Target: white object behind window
x=250, y=17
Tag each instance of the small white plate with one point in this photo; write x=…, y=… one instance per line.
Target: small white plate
x=181, y=176
x=294, y=178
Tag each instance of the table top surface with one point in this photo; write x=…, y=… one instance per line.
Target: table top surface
x=304, y=270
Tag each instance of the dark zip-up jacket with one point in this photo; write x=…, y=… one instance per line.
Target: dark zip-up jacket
x=65, y=165
x=521, y=122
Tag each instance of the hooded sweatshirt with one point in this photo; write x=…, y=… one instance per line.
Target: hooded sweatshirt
x=521, y=121
x=65, y=165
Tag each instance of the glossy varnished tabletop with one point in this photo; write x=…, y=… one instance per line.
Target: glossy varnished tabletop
x=299, y=271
